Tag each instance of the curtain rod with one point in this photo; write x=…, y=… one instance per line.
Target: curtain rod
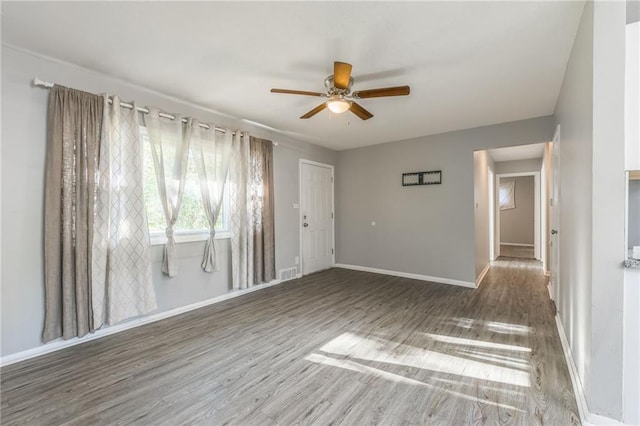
x=41, y=83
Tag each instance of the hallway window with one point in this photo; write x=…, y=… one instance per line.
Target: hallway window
x=507, y=195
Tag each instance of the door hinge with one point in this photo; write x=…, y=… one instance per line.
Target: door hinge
x=331, y=180
x=331, y=251
x=331, y=215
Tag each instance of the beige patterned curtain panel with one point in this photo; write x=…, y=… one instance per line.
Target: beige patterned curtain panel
x=261, y=157
x=252, y=219
x=121, y=261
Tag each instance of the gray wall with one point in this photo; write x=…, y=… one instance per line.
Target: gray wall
x=424, y=229
x=590, y=111
x=516, y=166
x=574, y=114
x=633, y=234
x=517, y=225
x=23, y=155
x=633, y=11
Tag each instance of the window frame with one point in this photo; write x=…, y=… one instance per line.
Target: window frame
x=189, y=235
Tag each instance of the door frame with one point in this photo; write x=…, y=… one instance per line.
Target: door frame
x=537, y=229
x=491, y=176
x=333, y=210
x=554, y=217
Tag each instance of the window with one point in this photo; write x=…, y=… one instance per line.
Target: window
x=507, y=195
x=192, y=224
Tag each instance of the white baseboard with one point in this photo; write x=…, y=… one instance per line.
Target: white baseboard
x=482, y=274
x=408, y=275
x=587, y=418
x=59, y=344
x=517, y=244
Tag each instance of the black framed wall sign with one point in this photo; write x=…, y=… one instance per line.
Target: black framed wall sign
x=433, y=177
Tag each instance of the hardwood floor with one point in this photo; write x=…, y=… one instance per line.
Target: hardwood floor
x=516, y=251
x=338, y=346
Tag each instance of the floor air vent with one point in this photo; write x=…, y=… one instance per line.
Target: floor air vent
x=288, y=274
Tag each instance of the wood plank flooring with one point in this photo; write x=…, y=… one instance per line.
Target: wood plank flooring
x=335, y=347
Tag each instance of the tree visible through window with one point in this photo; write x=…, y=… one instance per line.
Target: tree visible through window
x=192, y=218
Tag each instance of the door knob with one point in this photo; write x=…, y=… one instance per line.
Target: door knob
x=554, y=232
x=305, y=225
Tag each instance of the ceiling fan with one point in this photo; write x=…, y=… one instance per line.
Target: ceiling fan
x=340, y=97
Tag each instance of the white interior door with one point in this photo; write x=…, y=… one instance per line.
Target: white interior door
x=316, y=216
x=554, y=220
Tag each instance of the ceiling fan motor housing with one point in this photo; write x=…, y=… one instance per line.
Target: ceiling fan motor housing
x=332, y=90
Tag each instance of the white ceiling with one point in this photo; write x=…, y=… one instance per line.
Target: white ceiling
x=468, y=64
x=523, y=152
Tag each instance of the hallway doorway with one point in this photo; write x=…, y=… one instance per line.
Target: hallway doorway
x=499, y=234
x=518, y=214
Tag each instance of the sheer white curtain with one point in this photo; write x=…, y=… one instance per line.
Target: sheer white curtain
x=121, y=260
x=211, y=152
x=241, y=211
x=170, y=151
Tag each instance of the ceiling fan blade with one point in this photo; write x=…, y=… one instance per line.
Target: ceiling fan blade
x=381, y=93
x=315, y=110
x=341, y=75
x=296, y=92
x=359, y=111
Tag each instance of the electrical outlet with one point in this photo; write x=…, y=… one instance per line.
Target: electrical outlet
x=297, y=260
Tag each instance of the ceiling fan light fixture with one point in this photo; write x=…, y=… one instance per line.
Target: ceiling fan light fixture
x=338, y=105
x=339, y=98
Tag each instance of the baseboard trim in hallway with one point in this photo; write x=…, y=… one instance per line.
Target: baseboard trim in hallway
x=587, y=418
x=420, y=277
x=482, y=274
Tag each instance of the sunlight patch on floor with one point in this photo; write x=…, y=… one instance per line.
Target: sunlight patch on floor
x=494, y=326
x=476, y=343
x=376, y=372
x=506, y=328
x=518, y=364
x=385, y=351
